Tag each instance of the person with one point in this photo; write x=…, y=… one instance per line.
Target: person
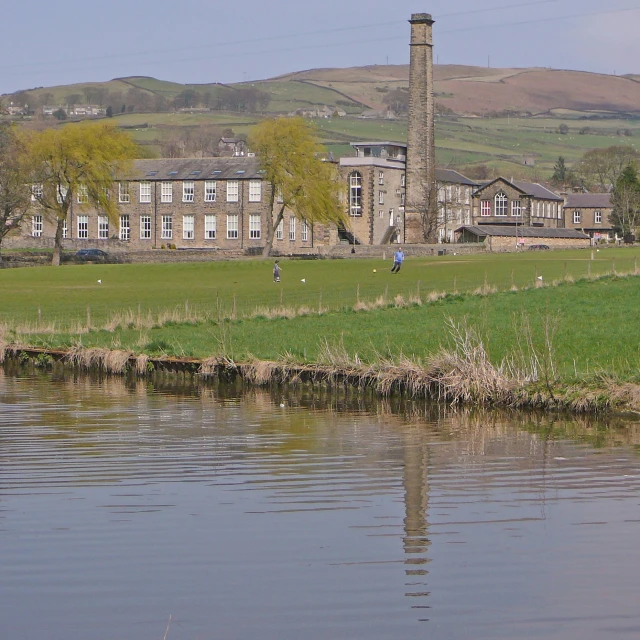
x=398, y=259
x=276, y=272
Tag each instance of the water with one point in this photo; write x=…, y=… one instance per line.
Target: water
x=136, y=512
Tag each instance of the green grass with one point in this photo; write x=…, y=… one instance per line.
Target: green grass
x=596, y=321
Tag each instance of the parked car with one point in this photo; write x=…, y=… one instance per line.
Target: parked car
x=538, y=247
x=92, y=255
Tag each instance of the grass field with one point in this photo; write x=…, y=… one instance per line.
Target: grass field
x=180, y=309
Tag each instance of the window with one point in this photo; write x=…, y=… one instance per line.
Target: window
x=123, y=192
x=279, y=196
x=537, y=209
x=304, y=234
x=467, y=195
x=145, y=227
x=36, y=192
x=210, y=191
x=188, y=191
x=577, y=216
x=501, y=204
x=61, y=193
x=167, y=228
x=403, y=180
x=210, y=227
x=65, y=230
x=145, y=192
x=124, y=232
x=485, y=208
x=232, y=227
x=103, y=227
x=516, y=208
x=254, y=227
x=381, y=177
x=232, y=191
x=380, y=197
x=280, y=230
x=255, y=190
x=36, y=226
x=402, y=196
x=188, y=226
x=292, y=228
x=83, y=194
x=381, y=213
x=597, y=217
x=355, y=194
x=166, y=192
x=83, y=227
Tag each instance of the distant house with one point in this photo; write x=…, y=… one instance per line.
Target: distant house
x=455, y=202
x=504, y=238
x=232, y=147
x=590, y=213
x=512, y=202
x=86, y=110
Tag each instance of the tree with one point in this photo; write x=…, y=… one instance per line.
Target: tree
x=626, y=201
x=60, y=114
x=397, y=100
x=563, y=129
x=79, y=160
x=600, y=168
x=300, y=181
x=109, y=112
x=15, y=192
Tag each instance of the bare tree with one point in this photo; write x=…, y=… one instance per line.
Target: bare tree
x=15, y=191
x=626, y=202
x=600, y=168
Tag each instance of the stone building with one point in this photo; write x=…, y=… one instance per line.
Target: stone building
x=591, y=213
x=375, y=180
x=212, y=203
x=515, y=203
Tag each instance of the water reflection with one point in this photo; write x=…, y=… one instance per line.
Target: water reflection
x=336, y=515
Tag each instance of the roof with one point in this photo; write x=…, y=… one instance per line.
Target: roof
x=453, y=177
x=236, y=168
x=379, y=144
x=528, y=189
x=589, y=200
x=522, y=232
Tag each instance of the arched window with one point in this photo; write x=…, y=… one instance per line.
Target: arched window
x=355, y=194
x=501, y=204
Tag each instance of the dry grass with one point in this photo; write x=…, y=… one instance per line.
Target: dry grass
x=107, y=360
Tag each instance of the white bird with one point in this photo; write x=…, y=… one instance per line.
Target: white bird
x=539, y=277
x=99, y=281
x=282, y=405
x=303, y=280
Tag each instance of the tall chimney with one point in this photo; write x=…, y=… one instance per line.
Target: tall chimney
x=421, y=205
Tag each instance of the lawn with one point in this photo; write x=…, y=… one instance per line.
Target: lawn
x=595, y=321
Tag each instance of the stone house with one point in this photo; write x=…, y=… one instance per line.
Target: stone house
x=590, y=213
x=232, y=147
x=211, y=203
x=509, y=238
x=515, y=203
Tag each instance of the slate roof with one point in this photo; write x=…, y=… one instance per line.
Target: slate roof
x=589, y=200
x=236, y=168
x=529, y=189
x=453, y=177
x=522, y=232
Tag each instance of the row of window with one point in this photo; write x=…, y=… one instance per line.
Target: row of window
x=166, y=230
x=210, y=192
x=597, y=217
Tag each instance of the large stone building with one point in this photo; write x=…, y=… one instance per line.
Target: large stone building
x=212, y=203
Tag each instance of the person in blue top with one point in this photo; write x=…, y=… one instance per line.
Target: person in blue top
x=398, y=259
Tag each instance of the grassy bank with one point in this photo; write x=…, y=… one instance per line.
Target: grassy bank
x=492, y=331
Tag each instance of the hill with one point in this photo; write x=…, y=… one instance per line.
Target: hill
x=500, y=120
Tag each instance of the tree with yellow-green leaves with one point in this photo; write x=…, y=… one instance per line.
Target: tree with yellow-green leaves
x=300, y=180
x=77, y=166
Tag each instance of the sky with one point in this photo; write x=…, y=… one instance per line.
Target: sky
x=47, y=43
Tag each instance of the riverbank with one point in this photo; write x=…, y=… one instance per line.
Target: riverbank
x=572, y=345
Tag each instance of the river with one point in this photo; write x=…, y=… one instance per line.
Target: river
x=139, y=511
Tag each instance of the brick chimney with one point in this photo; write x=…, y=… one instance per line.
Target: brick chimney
x=421, y=193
